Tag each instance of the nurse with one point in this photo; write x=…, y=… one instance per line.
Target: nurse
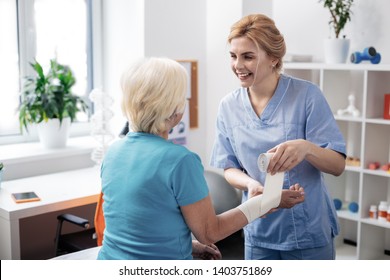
x=275, y=113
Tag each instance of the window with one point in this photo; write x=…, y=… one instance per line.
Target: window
x=9, y=71
x=43, y=30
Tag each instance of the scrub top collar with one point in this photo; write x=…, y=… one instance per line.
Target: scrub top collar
x=272, y=105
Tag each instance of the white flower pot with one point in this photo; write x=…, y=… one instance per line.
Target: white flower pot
x=336, y=50
x=52, y=135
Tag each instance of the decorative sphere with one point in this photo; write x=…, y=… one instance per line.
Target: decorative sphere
x=353, y=207
x=337, y=203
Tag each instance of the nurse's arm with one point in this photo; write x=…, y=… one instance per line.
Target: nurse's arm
x=326, y=160
x=289, y=154
x=240, y=180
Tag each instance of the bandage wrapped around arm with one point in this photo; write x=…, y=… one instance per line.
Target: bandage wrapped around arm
x=251, y=208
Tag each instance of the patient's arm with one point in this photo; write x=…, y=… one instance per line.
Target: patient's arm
x=209, y=228
x=206, y=226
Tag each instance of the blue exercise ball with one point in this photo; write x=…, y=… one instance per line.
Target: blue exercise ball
x=337, y=203
x=353, y=207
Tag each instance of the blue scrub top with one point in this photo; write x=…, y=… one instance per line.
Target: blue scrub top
x=145, y=180
x=297, y=110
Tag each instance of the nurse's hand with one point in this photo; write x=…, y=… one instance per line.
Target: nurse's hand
x=287, y=155
x=254, y=188
x=292, y=196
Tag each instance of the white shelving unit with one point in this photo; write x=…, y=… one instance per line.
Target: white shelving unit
x=368, y=139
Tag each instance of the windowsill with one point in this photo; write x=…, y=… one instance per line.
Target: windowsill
x=28, y=152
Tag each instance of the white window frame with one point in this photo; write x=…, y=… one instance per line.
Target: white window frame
x=27, y=52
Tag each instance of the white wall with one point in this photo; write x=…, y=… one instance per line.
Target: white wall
x=220, y=78
x=197, y=29
x=171, y=28
x=304, y=24
x=123, y=42
x=177, y=29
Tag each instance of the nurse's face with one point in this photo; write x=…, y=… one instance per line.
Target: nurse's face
x=250, y=64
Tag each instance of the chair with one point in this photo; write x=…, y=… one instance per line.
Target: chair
x=223, y=195
x=87, y=238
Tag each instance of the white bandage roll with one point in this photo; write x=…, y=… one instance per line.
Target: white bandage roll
x=273, y=185
x=263, y=161
x=259, y=205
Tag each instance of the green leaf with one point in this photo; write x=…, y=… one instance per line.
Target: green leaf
x=49, y=96
x=340, y=11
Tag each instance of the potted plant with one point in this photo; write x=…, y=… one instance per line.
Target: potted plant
x=336, y=48
x=48, y=101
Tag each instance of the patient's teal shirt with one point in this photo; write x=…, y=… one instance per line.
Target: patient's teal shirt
x=145, y=180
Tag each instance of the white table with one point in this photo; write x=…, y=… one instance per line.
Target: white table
x=57, y=191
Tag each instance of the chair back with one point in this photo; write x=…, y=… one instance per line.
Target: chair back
x=223, y=195
x=99, y=220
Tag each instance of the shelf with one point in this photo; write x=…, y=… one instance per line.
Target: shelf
x=378, y=121
x=353, y=168
x=374, y=222
x=377, y=172
x=348, y=118
x=325, y=66
x=367, y=139
x=31, y=152
x=348, y=215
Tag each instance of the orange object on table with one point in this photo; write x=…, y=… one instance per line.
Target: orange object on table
x=100, y=223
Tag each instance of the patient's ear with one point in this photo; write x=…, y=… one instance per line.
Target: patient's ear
x=177, y=118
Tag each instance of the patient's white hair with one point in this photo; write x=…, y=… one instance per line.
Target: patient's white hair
x=154, y=89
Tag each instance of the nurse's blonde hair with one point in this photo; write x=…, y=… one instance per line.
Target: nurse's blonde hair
x=262, y=31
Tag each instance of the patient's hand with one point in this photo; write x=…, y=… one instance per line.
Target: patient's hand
x=292, y=196
x=205, y=252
